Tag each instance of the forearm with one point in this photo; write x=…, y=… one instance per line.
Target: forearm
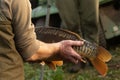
x=45, y=51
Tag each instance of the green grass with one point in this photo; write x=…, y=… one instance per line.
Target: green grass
x=32, y=71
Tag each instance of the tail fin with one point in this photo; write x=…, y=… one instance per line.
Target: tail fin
x=100, y=66
x=99, y=62
x=103, y=54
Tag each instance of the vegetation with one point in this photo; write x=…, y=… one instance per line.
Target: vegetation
x=32, y=71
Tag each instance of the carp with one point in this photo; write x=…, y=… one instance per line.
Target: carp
x=97, y=55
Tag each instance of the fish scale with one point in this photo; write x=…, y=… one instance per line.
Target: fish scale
x=88, y=49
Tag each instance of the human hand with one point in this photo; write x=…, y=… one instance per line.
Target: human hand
x=57, y=51
x=68, y=53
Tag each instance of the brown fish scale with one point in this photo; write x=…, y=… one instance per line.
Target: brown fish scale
x=52, y=34
x=88, y=49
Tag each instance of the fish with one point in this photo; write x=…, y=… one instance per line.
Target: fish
x=97, y=55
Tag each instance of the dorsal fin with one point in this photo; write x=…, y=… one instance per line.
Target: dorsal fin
x=52, y=34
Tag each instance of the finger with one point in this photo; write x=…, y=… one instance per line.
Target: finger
x=72, y=59
x=77, y=56
x=77, y=43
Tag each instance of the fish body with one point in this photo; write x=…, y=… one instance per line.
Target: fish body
x=87, y=50
x=96, y=54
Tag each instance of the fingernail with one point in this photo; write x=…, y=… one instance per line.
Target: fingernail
x=82, y=42
x=83, y=61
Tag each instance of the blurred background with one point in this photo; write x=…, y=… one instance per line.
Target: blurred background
x=109, y=38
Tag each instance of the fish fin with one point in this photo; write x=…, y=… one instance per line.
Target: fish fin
x=100, y=66
x=53, y=64
x=58, y=63
x=103, y=54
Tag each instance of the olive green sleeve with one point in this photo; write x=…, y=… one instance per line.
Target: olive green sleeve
x=25, y=36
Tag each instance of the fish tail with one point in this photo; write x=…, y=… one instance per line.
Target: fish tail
x=103, y=54
x=99, y=62
x=100, y=66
